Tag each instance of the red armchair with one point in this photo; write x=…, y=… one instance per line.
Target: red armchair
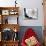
x=28, y=35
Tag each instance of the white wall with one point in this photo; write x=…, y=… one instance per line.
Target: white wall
x=32, y=4
x=27, y=4
x=7, y=3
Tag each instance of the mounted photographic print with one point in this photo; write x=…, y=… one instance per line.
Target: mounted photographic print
x=31, y=13
x=5, y=12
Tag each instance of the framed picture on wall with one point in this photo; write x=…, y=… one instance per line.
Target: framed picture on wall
x=31, y=13
x=5, y=12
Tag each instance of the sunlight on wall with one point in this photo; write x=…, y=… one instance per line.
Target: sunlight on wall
x=7, y=3
x=7, y=0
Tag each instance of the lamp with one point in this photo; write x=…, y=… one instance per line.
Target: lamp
x=15, y=30
x=15, y=3
x=15, y=37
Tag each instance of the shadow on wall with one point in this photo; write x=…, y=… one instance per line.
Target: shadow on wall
x=37, y=29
